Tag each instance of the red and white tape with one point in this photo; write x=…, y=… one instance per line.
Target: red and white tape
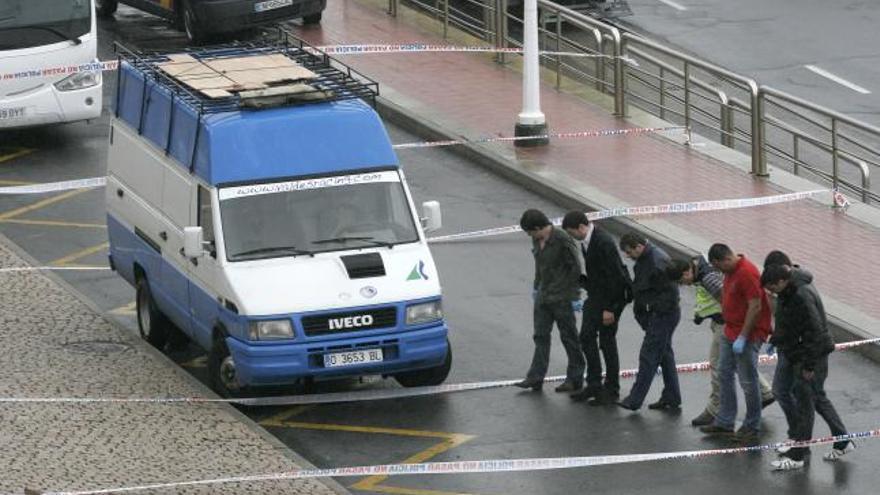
x=477, y=466
x=59, y=70
x=363, y=395
x=557, y=135
x=634, y=211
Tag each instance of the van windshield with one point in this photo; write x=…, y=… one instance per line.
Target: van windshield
x=315, y=215
x=30, y=23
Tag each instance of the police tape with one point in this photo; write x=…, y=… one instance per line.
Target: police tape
x=557, y=135
x=633, y=211
x=60, y=70
x=481, y=466
x=55, y=186
x=51, y=268
x=362, y=395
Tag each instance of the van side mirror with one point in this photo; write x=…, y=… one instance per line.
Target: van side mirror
x=193, y=246
x=432, y=219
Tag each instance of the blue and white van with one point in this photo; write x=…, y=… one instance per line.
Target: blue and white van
x=277, y=233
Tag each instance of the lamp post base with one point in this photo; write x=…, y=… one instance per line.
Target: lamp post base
x=523, y=130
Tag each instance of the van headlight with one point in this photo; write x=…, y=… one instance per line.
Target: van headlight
x=423, y=313
x=80, y=80
x=271, y=330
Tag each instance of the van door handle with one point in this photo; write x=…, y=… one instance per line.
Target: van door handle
x=163, y=235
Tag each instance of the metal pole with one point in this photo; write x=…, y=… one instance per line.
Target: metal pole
x=619, y=76
x=445, y=18
x=834, y=159
x=759, y=164
x=687, y=98
x=531, y=121
x=500, y=28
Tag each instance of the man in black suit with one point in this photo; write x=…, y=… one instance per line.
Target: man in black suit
x=608, y=286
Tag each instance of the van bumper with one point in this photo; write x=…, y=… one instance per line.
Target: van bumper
x=48, y=105
x=282, y=364
x=224, y=16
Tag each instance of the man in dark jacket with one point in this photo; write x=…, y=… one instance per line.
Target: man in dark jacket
x=606, y=280
x=557, y=297
x=656, y=308
x=802, y=337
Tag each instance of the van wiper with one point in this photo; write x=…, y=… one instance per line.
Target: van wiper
x=366, y=239
x=61, y=34
x=272, y=249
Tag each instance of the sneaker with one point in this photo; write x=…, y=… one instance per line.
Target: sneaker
x=704, y=419
x=786, y=464
x=568, y=386
x=747, y=435
x=714, y=429
x=783, y=449
x=836, y=454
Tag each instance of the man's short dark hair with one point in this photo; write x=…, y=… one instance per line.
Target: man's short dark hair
x=777, y=257
x=533, y=219
x=574, y=219
x=719, y=251
x=774, y=273
x=631, y=240
x=677, y=268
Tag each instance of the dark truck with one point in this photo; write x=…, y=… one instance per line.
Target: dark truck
x=201, y=19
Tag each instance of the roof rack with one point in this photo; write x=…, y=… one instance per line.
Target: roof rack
x=331, y=80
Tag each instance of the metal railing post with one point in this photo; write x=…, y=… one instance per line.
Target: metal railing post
x=796, y=154
x=619, y=75
x=727, y=125
x=687, y=97
x=759, y=164
x=835, y=164
x=558, y=49
x=500, y=28
x=392, y=8
x=662, y=93
x=445, y=19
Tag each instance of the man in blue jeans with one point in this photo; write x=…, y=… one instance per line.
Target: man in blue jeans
x=656, y=308
x=746, y=313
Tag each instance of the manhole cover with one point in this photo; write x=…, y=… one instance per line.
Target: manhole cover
x=97, y=347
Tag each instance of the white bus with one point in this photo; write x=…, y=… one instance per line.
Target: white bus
x=36, y=35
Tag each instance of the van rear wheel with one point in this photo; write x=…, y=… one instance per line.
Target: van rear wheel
x=152, y=323
x=106, y=8
x=194, y=29
x=313, y=19
x=427, y=377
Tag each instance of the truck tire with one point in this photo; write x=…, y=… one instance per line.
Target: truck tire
x=313, y=19
x=152, y=323
x=427, y=377
x=194, y=29
x=221, y=369
x=106, y=8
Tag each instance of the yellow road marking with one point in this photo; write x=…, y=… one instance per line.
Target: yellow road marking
x=199, y=362
x=55, y=223
x=40, y=204
x=286, y=414
x=125, y=309
x=373, y=483
x=15, y=183
x=16, y=154
x=65, y=261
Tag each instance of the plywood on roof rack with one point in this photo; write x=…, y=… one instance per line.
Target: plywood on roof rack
x=219, y=77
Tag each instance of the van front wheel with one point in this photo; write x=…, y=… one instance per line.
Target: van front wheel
x=312, y=19
x=427, y=377
x=221, y=369
x=152, y=323
x=106, y=8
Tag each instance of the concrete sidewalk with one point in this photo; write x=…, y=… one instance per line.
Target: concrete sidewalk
x=461, y=94
x=55, y=345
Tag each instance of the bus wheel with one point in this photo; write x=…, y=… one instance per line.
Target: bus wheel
x=428, y=377
x=194, y=30
x=153, y=325
x=106, y=8
x=221, y=369
x=312, y=19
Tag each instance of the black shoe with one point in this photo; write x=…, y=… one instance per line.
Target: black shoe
x=767, y=402
x=568, y=386
x=585, y=394
x=535, y=385
x=604, y=399
x=714, y=429
x=626, y=405
x=663, y=404
x=704, y=419
x=746, y=435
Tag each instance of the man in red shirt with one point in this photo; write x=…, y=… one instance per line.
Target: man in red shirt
x=746, y=312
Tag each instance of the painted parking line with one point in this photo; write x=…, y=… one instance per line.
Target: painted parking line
x=70, y=258
x=11, y=154
x=55, y=223
x=839, y=80
x=374, y=483
x=674, y=5
x=41, y=204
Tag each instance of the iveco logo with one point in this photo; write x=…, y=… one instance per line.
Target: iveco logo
x=368, y=291
x=350, y=322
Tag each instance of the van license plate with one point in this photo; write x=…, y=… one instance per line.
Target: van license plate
x=271, y=5
x=352, y=358
x=12, y=113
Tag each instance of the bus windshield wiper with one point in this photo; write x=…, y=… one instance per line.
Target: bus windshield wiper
x=272, y=249
x=62, y=34
x=367, y=239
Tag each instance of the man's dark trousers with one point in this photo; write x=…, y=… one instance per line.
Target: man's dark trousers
x=810, y=398
x=596, y=336
x=545, y=314
x=656, y=351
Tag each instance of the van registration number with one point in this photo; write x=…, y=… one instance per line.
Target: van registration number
x=12, y=113
x=271, y=5
x=353, y=357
